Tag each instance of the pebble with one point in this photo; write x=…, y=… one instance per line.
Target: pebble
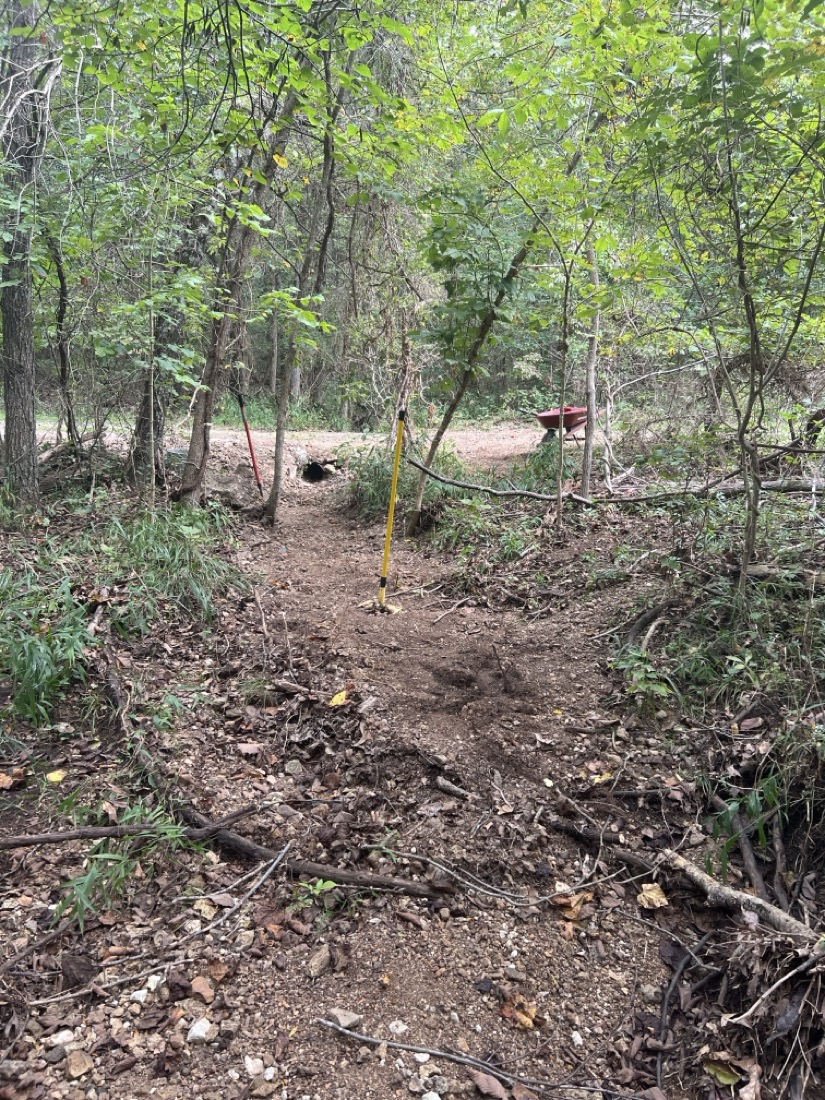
x=154, y=982
x=344, y=1018
x=60, y=1038
x=398, y=1027
x=139, y=996
x=78, y=1063
x=294, y=767
x=253, y=1066
x=431, y=1096
x=202, y=1031
x=578, y=1041
x=421, y=1058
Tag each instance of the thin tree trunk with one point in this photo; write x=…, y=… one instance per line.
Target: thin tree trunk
x=21, y=149
x=485, y=325
x=273, y=354
x=64, y=363
x=564, y=351
x=285, y=385
x=590, y=377
x=229, y=281
x=150, y=432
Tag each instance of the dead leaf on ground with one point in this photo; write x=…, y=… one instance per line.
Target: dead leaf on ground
x=202, y=988
x=521, y=1092
x=519, y=1011
x=271, y=918
x=571, y=905
x=753, y=1089
x=487, y=1085
x=722, y=1072
x=652, y=896
x=218, y=970
x=249, y=748
x=15, y=778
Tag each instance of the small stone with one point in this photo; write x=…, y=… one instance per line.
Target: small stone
x=431, y=1096
x=60, y=1038
x=650, y=994
x=439, y=1084
x=444, y=913
x=202, y=988
x=202, y=1031
x=139, y=996
x=578, y=1041
x=12, y=1069
x=78, y=1063
x=154, y=982
x=245, y=939
x=269, y=1073
x=422, y=1058
x=55, y=1055
x=416, y=1086
x=398, y=1027
x=346, y=1019
x=253, y=1066
x=320, y=961
x=264, y=1088
x=514, y=974
x=294, y=767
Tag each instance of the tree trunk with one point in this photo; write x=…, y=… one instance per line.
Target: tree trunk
x=229, y=280
x=564, y=350
x=64, y=362
x=21, y=149
x=285, y=384
x=485, y=325
x=590, y=378
x=273, y=354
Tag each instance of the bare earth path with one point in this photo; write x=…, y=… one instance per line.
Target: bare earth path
x=459, y=725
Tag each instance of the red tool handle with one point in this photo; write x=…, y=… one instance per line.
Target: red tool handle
x=251, y=448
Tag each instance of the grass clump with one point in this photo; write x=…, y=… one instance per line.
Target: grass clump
x=110, y=865
x=43, y=637
x=167, y=560
x=371, y=480
x=163, y=564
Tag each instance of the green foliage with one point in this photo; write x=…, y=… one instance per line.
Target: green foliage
x=165, y=563
x=306, y=894
x=539, y=472
x=370, y=482
x=170, y=562
x=111, y=864
x=43, y=640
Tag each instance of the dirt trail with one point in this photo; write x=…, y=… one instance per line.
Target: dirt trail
x=460, y=724
x=497, y=706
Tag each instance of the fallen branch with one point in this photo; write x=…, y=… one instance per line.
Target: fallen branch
x=241, y=846
x=726, y=897
x=114, y=832
x=664, y=1019
x=745, y=847
x=495, y=492
x=794, y=485
x=469, y=1061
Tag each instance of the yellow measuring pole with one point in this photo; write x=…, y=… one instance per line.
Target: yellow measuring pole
x=385, y=568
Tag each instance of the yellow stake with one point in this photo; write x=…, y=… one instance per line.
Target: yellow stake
x=399, y=439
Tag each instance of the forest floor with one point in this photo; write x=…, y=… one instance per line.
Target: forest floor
x=437, y=745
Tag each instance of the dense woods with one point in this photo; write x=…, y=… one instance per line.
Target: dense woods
x=328, y=207
x=401, y=216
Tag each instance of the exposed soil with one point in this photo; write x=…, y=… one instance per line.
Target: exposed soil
x=460, y=727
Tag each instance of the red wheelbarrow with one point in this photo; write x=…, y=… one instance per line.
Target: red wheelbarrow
x=571, y=416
